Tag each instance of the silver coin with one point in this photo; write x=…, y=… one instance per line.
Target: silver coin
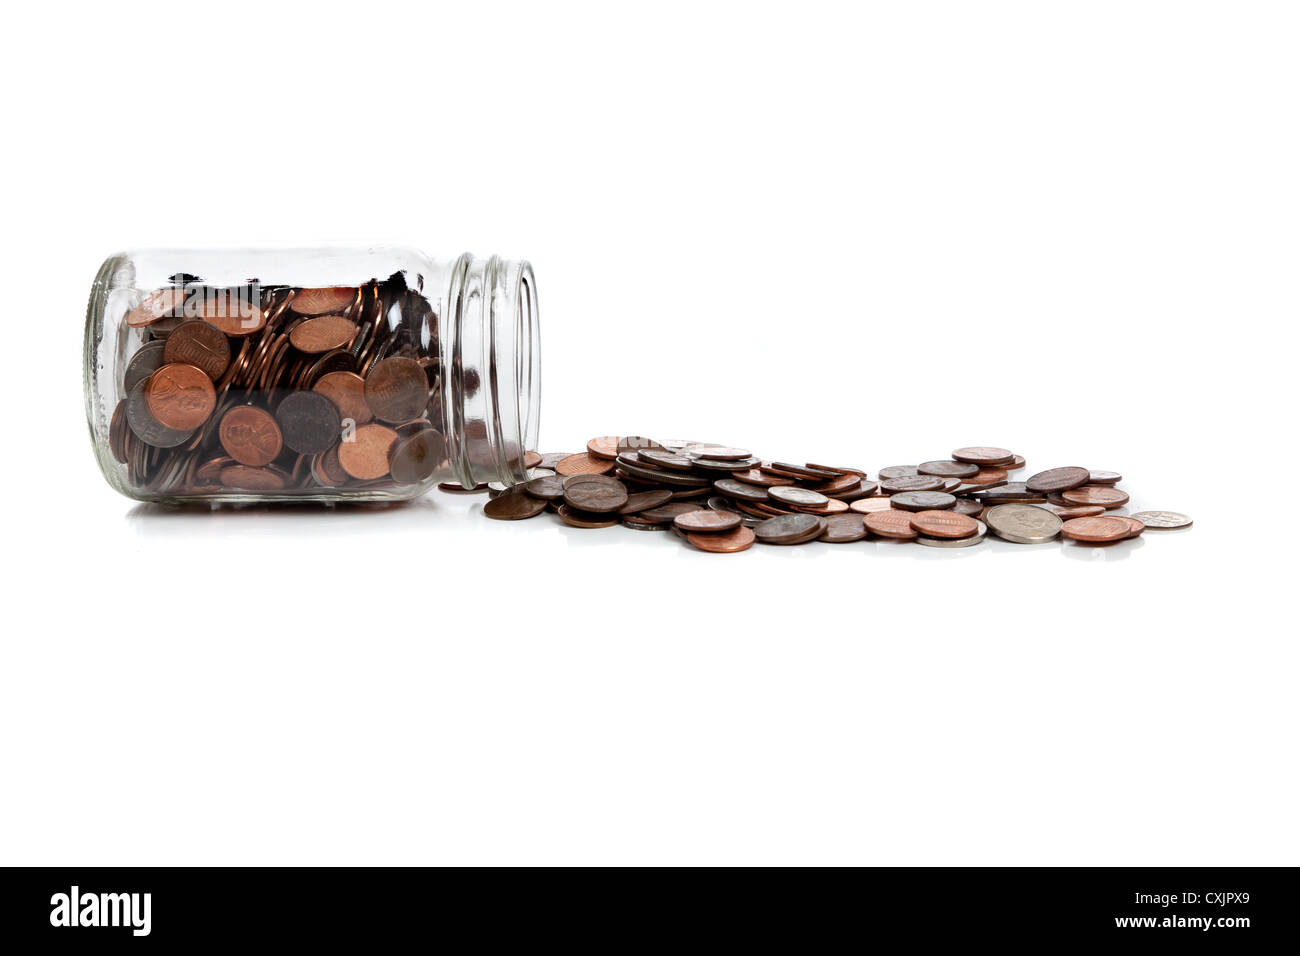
x=790, y=495
x=1163, y=519
x=976, y=538
x=540, y=473
x=1023, y=524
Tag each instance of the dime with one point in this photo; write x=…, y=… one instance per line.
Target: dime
x=180, y=396
x=718, y=452
x=200, y=344
x=320, y=301
x=1163, y=519
x=513, y=505
x=147, y=360
x=787, y=494
x=948, y=469
x=944, y=524
x=250, y=435
x=365, y=456
x=323, y=334
x=984, y=455
x=606, y=447
x=1023, y=524
x=154, y=306
x=578, y=519
x=1057, y=479
x=595, y=497
x=583, y=463
x=308, y=421
x=644, y=500
x=397, y=389
x=1104, y=477
x=844, y=528
x=247, y=478
x=897, y=471
x=980, y=530
x=552, y=458
x=1103, y=495
x=707, y=521
x=923, y=501
x=868, y=505
x=790, y=529
x=726, y=542
x=890, y=524
x=347, y=390
x=1096, y=530
x=414, y=459
x=892, y=486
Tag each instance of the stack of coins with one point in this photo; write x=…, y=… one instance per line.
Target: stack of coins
x=723, y=499
x=279, y=390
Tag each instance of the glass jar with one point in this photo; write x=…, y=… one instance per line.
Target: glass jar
x=362, y=374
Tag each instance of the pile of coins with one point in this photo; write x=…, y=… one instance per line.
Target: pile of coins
x=279, y=390
x=722, y=499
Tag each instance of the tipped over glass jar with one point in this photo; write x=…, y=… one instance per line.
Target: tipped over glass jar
x=358, y=374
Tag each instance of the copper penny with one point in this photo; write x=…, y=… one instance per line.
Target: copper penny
x=989, y=477
x=756, y=476
x=365, y=455
x=890, y=524
x=1136, y=527
x=844, y=528
x=790, y=529
x=532, y=460
x=583, y=463
x=838, y=468
x=200, y=344
x=347, y=390
x=1015, y=464
x=397, y=389
x=180, y=396
x=922, y=501
x=668, y=512
x=726, y=542
x=578, y=519
x=866, y=506
x=1104, y=477
x=595, y=497
x=984, y=455
x=644, y=500
x=1076, y=511
x=791, y=470
x=323, y=334
x=944, y=524
x=948, y=469
x=1103, y=495
x=156, y=305
x=892, y=486
x=707, y=521
x=968, y=506
x=246, y=478
x=833, y=506
x=250, y=435
x=1096, y=530
x=513, y=505
x=604, y=447
x=321, y=301
x=414, y=459
x=547, y=488
x=230, y=310
x=1057, y=479
x=327, y=470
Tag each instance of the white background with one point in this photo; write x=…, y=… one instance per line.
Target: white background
x=863, y=234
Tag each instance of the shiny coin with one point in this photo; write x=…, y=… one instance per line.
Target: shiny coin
x=583, y=463
x=1103, y=495
x=984, y=455
x=147, y=360
x=397, y=389
x=323, y=334
x=897, y=471
x=868, y=505
x=250, y=435
x=1163, y=519
x=155, y=305
x=790, y=495
x=948, y=469
x=944, y=524
x=644, y=500
x=309, y=422
x=707, y=521
x=595, y=497
x=790, y=529
x=1104, y=477
x=892, y=486
x=532, y=460
x=923, y=501
x=980, y=530
x=578, y=519
x=347, y=390
x=321, y=301
x=1057, y=479
x=890, y=524
x=604, y=447
x=365, y=455
x=1135, y=526
x=843, y=528
x=514, y=504
x=1066, y=512
x=414, y=459
x=724, y=464
x=199, y=344
x=1096, y=530
x=726, y=542
x=1015, y=464
x=1011, y=491
x=1023, y=524
x=180, y=396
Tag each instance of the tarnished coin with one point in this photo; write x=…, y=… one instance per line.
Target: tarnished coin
x=250, y=435
x=897, y=471
x=397, y=389
x=1057, y=479
x=984, y=455
x=321, y=301
x=1103, y=495
x=1163, y=519
x=833, y=506
x=717, y=451
x=893, y=486
x=604, y=447
x=547, y=489
x=790, y=529
x=968, y=506
x=180, y=396
x=583, y=463
x=323, y=334
x=922, y=500
x=844, y=528
x=455, y=487
x=704, y=521
x=944, y=524
x=156, y=305
x=644, y=500
x=726, y=542
x=309, y=422
x=663, y=458
x=757, y=476
x=980, y=530
x=552, y=458
x=365, y=455
x=890, y=524
x=1099, y=530
x=790, y=495
x=1104, y=477
x=200, y=344
x=248, y=478
x=1023, y=524
x=668, y=512
x=415, y=458
x=948, y=469
x=868, y=505
x=513, y=505
x=740, y=489
x=147, y=360
x=580, y=519
x=347, y=390
x=865, y=488
x=145, y=427
x=791, y=470
x=595, y=497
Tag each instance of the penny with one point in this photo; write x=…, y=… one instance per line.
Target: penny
x=1104, y=477
x=967, y=506
x=606, y=447
x=514, y=505
x=200, y=344
x=250, y=435
x=788, y=494
x=707, y=521
x=674, y=479
x=308, y=421
x=724, y=464
x=790, y=529
x=1011, y=491
x=843, y=528
x=988, y=476
x=1098, y=530
x=1135, y=525
x=863, y=489
x=897, y=471
x=180, y=396
x=948, y=469
x=638, y=444
x=595, y=497
x=414, y=459
x=726, y=542
x=638, y=524
x=1015, y=464
x=397, y=389
x=327, y=469
x=347, y=390
x=971, y=488
x=665, y=459
x=147, y=360
x=321, y=301
x=644, y=500
x=1023, y=524
x=718, y=452
x=232, y=311
x=984, y=455
x=251, y=479
x=869, y=505
x=922, y=501
x=930, y=542
x=668, y=512
x=1163, y=519
x=155, y=306
x=1103, y=495
x=892, y=486
x=837, y=485
x=583, y=463
x=839, y=469
x=1065, y=513
x=890, y=524
x=532, y=459
x=577, y=519
x=944, y=524
x=455, y=487
x=740, y=489
x=1057, y=479
x=365, y=455
x=790, y=470
x=548, y=489
x=756, y=476
x=144, y=426
x=323, y=334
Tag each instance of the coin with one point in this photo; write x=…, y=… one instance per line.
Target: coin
x=320, y=301
x=668, y=512
x=347, y=390
x=1011, y=491
x=180, y=396
x=922, y=501
x=415, y=458
x=1104, y=477
x=309, y=422
x=1098, y=530
x=147, y=360
x=397, y=389
x=897, y=471
x=606, y=447
x=988, y=477
x=1057, y=479
x=707, y=521
x=145, y=427
x=790, y=529
x=552, y=458
x=717, y=451
x=595, y=497
x=1023, y=524
x=250, y=435
x=1103, y=495
x=790, y=470
x=548, y=489
x=833, y=506
x=740, y=489
x=726, y=542
x=663, y=458
x=200, y=344
x=890, y=524
x=892, y=486
x=323, y=334
x=1163, y=519
x=944, y=524
x=1015, y=464
x=1135, y=525
x=1065, y=513
x=514, y=505
x=154, y=306
x=644, y=500
x=248, y=478
x=232, y=311
x=980, y=530
x=868, y=505
x=788, y=494
x=843, y=528
x=948, y=469
x=583, y=463
x=984, y=455
x=968, y=506
x=638, y=443
x=757, y=476
x=577, y=519
x=365, y=455
x=864, y=489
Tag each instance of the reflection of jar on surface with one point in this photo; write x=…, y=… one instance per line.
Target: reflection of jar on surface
x=309, y=374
